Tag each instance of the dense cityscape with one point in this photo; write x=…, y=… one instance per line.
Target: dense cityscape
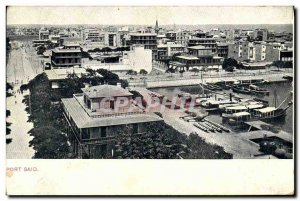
x=149, y=92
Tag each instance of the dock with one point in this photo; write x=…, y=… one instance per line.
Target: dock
x=191, y=81
x=261, y=126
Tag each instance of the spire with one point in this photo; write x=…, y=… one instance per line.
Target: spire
x=156, y=26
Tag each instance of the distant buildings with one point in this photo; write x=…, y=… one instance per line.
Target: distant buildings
x=101, y=114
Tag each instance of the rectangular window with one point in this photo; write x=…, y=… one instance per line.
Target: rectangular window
x=104, y=150
x=135, y=128
x=85, y=133
x=103, y=131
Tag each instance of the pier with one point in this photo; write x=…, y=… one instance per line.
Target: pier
x=155, y=82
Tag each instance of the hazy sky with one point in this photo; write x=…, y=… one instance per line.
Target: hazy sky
x=147, y=15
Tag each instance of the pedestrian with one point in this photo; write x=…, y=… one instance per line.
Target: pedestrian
x=15, y=102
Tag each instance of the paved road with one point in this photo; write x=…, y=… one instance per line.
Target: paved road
x=22, y=66
x=19, y=147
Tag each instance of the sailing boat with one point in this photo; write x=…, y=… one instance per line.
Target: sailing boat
x=273, y=113
x=243, y=114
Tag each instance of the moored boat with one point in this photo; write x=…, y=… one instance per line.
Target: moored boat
x=257, y=90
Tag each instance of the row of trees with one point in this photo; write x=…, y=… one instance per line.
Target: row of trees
x=8, y=124
x=49, y=137
x=161, y=141
x=106, y=50
x=230, y=63
x=181, y=71
x=133, y=72
x=48, y=46
x=283, y=64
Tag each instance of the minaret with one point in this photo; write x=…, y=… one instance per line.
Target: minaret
x=156, y=27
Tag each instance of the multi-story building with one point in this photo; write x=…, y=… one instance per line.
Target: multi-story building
x=200, y=57
x=238, y=50
x=261, y=34
x=54, y=38
x=92, y=35
x=206, y=42
x=222, y=50
x=164, y=51
x=110, y=39
x=179, y=36
x=67, y=56
x=171, y=35
x=286, y=55
x=148, y=40
x=255, y=51
x=99, y=115
x=43, y=34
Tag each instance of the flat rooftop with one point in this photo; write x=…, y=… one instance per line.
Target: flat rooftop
x=198, y=47
x=105, y=91
x=62, y=73
x=188, y=57
x=143, y=34
x=83, y=120
x=58, y=50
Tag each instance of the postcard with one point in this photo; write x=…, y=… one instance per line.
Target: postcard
x=157, y=100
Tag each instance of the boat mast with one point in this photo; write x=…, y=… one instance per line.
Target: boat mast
x=275, y=98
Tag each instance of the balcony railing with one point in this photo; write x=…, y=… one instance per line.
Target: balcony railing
x=104, y=140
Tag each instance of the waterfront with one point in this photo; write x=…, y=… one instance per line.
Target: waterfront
x=282, y=89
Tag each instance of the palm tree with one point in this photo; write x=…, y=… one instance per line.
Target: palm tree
x=170, y=71
x=195, y=71
x=181, y=71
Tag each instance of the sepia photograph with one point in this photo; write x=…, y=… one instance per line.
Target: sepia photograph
x=156, y=82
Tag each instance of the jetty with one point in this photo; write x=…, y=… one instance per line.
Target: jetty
x=191, y=81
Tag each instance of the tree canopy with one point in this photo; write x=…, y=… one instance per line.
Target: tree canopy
x=282, y=64
x=143, y=72
x=163, y=142
x=131, y=72
x=49, y=143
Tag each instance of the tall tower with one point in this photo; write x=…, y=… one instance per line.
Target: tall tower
x=156, y=27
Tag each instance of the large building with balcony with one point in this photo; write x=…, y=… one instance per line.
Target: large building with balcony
x=207, y=42
x=67, y=56
x=98, y=116
x=164, y=51
x=198, y=57
x=148, y=40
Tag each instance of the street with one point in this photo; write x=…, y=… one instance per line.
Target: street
x=22, y=66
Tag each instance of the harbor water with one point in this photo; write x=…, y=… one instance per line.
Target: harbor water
x=277, y=89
